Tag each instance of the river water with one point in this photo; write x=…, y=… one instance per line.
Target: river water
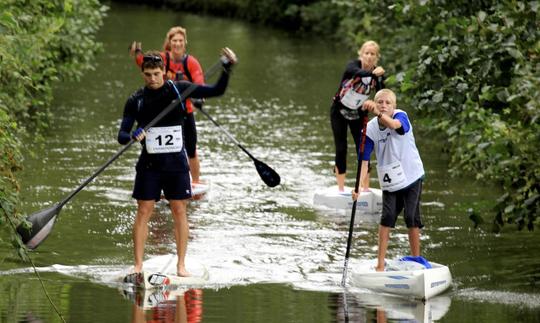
x=272, y=256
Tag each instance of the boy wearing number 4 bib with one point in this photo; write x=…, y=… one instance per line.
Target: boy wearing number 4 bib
x=399, y=168
x=163, y=163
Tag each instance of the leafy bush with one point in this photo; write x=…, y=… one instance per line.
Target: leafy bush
x=477, y=78
x=40, y=41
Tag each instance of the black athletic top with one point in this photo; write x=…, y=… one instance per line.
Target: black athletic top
x=354, y=69
x=145, y=104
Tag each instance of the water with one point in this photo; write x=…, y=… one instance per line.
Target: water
x=271, y=255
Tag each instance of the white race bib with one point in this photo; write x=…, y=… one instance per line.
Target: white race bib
x=391, y=177
x=352, y=99
x=160, y=140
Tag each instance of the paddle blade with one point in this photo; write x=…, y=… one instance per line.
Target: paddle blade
x=267, y=174
x=42, y=223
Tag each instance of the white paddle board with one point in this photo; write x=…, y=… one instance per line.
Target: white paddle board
x=331, y=197
x=198, y=190
x=404, y=278
x=151, y=280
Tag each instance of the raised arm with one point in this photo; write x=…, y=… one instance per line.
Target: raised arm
x=384, y=119
x=205, y=91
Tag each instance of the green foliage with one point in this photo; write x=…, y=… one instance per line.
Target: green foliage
x=40, y=41
x=478, y=79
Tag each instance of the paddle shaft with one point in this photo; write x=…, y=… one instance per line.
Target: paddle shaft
x=353, y=212
x=227, y=133
x=158, y=118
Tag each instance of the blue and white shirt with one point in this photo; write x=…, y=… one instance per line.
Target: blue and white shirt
x=398, y=160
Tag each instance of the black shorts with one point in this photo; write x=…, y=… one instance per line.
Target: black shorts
x=408, y=200
x=190, y=135
x=149, y=183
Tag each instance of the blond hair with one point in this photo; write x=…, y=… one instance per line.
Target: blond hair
x=170, y=34
x=370, y=43
x=388, y=92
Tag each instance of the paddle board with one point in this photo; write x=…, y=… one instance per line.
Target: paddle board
x=405, y=278
x=198, y=190
x=331, y=197
x=151, y=280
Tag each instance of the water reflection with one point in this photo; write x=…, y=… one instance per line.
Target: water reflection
x=370, y=307
x=31, y=318
x=166, y=305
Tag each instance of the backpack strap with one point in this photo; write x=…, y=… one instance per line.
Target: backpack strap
x=178, y=94
x=186, y=70
x=167, y=61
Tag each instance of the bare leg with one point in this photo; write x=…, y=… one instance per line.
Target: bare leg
x=414, y=241
x=195, y=169
x=384, y=235
x=181, y=234
x=365, y=181
x=340, y=179
x=140, y=231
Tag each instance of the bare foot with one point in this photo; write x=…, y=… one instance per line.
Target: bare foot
x=182, y=272
x=378, y=268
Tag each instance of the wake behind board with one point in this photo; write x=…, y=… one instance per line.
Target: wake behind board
x=331, y=197
x=151, y=280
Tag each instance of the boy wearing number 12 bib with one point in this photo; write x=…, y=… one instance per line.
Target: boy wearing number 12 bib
x=399, y=168
x=163, y=163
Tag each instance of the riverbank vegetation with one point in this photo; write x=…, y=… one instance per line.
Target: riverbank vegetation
x=469, y=68
x=41, y=41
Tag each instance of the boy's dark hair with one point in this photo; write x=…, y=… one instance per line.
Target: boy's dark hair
x=152, y=59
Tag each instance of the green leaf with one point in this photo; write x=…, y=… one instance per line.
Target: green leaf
x=481, y=16
x=7, y=20
x=530, y=201
x=514, y=53
x=438, y=97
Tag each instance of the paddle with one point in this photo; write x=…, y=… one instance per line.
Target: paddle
x=42, y=222
x=269, y=176
x=356, y=184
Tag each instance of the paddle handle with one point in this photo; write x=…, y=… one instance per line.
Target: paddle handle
x=353, y=212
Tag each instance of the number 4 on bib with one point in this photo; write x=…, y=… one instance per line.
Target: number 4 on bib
x=391, y=177
x=387, y=179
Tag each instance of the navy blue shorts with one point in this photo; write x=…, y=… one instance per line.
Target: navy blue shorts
x=408, y=200
x=150, y=183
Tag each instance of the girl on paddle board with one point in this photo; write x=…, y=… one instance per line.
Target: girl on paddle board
x=399, y=168
x=179, y=65
x=361, y=76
